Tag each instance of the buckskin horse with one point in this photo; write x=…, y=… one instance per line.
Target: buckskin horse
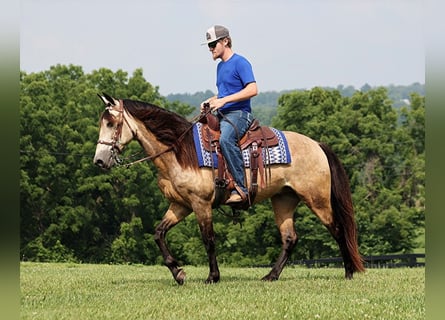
x=314, y=176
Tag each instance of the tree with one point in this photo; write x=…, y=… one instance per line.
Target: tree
x=133, y=244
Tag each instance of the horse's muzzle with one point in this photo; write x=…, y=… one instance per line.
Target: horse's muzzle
x=99, y=163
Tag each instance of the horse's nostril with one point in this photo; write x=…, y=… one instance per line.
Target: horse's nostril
x=99, y=163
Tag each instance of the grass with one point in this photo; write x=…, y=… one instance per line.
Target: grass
x=83, y=291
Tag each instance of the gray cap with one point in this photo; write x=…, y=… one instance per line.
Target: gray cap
x=215, y=33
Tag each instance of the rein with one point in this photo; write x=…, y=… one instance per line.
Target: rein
x=127, y=165
x=116, y=137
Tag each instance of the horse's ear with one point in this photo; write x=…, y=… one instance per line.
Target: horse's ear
x=103, y=99
x=109, y=98
x=106, y=99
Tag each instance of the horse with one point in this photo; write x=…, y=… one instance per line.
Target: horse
x=314, y=176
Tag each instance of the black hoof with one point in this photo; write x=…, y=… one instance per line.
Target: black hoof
x=269, y=278
x=211, y=280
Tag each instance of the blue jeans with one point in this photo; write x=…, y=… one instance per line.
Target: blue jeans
x=230, y=149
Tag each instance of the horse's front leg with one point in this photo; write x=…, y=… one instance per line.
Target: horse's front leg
x=174, y=214
x=203, y=213
x=204, y=217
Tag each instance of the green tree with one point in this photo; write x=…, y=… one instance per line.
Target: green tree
x=133, y=244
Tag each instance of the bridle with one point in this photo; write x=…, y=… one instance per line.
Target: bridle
x=115, y=140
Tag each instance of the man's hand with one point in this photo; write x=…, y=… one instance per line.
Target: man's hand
x=215, y=104
x=202, y=106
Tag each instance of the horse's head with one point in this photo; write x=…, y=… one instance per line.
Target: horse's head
x=114, y=133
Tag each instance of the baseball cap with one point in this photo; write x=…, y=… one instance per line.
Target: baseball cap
x=215, y=33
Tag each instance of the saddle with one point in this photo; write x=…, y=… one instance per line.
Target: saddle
x=254, y=140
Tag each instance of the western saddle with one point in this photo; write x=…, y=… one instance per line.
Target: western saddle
x=255, y=139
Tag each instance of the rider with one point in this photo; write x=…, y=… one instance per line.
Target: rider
x=236, y=85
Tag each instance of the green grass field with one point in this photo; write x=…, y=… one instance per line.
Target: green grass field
x=85, y=291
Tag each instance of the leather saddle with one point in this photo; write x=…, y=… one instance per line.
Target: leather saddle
x=255, y=139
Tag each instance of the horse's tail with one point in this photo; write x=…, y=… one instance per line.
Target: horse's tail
x=341, y=202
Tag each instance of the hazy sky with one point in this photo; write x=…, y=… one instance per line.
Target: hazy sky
x=291, y=44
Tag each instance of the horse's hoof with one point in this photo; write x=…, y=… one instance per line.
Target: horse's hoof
x=349, y=276
x=180, y=277
x=211, y=280
x=269, y=278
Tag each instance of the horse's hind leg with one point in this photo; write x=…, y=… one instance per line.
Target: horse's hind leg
x=337, y=233
x=174, y=214
x=337, y=230
x=284, y=205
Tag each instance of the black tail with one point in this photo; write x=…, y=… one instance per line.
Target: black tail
x=341, y=202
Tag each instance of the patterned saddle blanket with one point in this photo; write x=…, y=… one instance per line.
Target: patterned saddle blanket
x=278, y=154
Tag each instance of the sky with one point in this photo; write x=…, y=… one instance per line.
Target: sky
x=291, y=44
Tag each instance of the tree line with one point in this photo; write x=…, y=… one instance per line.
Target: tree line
x=265, y=103
x=72, y=211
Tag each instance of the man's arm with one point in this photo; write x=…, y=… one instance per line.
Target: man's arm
x=249, y=91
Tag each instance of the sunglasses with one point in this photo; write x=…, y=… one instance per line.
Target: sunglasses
x=213, y=44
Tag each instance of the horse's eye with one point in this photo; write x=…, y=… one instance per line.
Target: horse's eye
x=110, y=125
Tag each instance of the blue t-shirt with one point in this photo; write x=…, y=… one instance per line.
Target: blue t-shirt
x=231, y=77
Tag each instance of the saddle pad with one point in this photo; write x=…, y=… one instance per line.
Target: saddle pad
x=276, y=155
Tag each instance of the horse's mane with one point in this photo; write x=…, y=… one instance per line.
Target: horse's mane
x=168, y=127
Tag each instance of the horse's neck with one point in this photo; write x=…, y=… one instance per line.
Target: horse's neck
x=163, y=157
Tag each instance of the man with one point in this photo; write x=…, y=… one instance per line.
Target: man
x=236, y=86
